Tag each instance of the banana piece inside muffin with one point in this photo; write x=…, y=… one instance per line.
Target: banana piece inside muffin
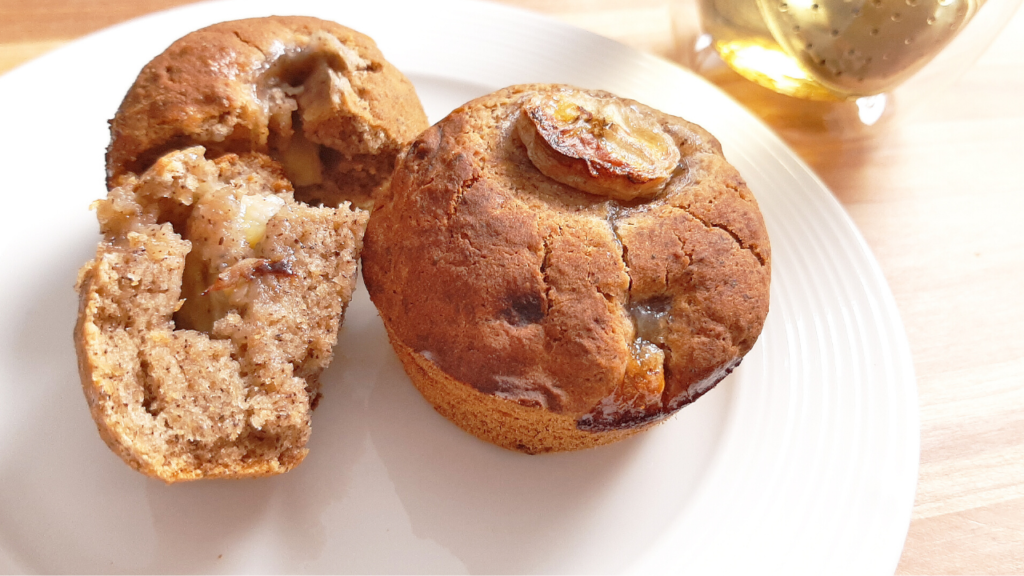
x=318, y=97
x=208, y=314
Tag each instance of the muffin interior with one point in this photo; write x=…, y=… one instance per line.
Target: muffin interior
x=321, y=128
x=210, y=312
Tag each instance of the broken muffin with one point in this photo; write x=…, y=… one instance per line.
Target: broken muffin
x=208, y=314
x=240, y=166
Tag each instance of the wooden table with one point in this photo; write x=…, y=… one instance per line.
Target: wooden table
x=939, y=195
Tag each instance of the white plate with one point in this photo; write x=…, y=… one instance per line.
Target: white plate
x=804, y=460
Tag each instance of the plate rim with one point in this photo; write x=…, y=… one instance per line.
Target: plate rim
x=884, y=305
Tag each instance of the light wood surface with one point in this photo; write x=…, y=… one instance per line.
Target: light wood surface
x=937, y=190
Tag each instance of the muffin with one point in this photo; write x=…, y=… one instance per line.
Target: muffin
x=240, y=167
x=315, y=95
x=560, y=268
x=208, y=314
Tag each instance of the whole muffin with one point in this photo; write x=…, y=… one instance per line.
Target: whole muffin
x=560, y=268
x=318, y=97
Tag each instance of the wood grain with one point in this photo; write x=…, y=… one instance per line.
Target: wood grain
x=938, y=192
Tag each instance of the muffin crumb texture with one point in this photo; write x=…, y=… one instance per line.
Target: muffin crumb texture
x=208, y=314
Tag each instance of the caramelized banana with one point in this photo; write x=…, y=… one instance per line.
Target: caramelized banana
x=603, y=146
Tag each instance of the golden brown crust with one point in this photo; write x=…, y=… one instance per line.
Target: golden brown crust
x=231, y=86
x=511, y=425
x=611, y=315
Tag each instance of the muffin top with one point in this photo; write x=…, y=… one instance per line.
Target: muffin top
x=317, y=96
x=572, y=250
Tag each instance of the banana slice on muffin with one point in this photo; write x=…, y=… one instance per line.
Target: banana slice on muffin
x=599, y=145
x=560, y=268
x=240, y=167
